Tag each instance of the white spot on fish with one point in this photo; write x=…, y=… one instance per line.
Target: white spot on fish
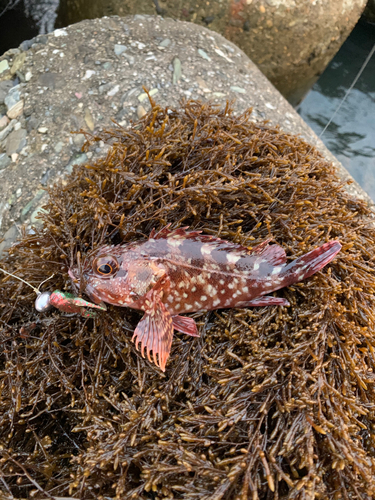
x=181, y=284
x=276, y=270
x=204, y=298
x=222, y=282
x=245, y=289
x=185, y=295
x=232, y=259
x=197, y=304
x=193, y=289
x=170, y=298
x=201, y=279
x=256, y=266
x=216, y=302
x=177, y=306
x=206, y=250
x=231, y=286
x=174, y=242
x=188, y=307
x=222, y=291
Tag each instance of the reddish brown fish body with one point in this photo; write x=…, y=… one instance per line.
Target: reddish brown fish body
x=177, y=272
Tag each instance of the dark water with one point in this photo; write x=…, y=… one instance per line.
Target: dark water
x=23, y=19
x=351, y=135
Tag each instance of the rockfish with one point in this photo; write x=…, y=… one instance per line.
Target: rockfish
x=178, y=271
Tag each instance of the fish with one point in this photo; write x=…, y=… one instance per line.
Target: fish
x=176, y=271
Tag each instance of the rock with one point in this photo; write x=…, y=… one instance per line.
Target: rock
x=4, y=120
x=16, y=110
x=4, y=161
x=9, y=238
x=18, y=63
x=4, y=66
x=16, y=141
x=141, y=111
x=177, y=72
x=42, y=130
x=119, y=49
x=165, y=43
x=291, y=41
x=50, y=99
x=142, y=97
x=12, y=97
x=5, y=86
x=7, y=130
x=26, y=44
x=89, y=119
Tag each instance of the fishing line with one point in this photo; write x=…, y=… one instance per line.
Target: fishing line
x=362, y=68
x=349, y=89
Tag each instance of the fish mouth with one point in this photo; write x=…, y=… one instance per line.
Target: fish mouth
x=88, y=289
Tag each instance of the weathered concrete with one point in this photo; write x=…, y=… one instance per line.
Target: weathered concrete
x=91, y=72
x=291, y=41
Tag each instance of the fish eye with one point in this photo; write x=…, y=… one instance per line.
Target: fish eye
x=105, y=265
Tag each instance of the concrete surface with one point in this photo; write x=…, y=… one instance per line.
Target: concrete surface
x=291, y=41
x=91, y=72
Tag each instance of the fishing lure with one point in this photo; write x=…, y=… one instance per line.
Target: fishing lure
x=63, y=301
x=178, y=271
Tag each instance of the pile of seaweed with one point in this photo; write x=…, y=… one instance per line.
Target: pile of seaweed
x=274, y=402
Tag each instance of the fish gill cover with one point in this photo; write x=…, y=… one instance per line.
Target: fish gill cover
x=271, y=402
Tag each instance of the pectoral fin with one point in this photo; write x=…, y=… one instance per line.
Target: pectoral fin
x=185, y=325
x=155, y=333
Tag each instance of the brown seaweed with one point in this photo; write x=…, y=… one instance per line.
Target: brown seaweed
x=267, y=403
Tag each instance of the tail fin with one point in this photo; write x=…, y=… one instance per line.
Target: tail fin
x=308, y=264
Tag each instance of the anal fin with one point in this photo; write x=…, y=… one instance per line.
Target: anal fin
x=155, y=333
x=266, y=300
x=185, y=325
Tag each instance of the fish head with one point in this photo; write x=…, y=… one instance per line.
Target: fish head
x=103, y=276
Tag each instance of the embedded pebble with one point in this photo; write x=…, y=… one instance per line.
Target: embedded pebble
x=113, y=91
x=239, y=90
x=42, y=130
x=221, y=54
x=16, y=141
x=15, y=110
x=204, y=54
x=18, y=62
x=141, y=111
x=4, y=120
x=58, y=147
x=4, y=66
x=119, y=49
x=177, y=71
x=89, y=120
x=89, y=73
x=60, y=32
x=14, y=157
x=4, y=133
x=4, y=161
x=165, y=43
x=270, y=106
x=28, y=76
x=12, y=97
x=144, y=96
x=5, y=87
